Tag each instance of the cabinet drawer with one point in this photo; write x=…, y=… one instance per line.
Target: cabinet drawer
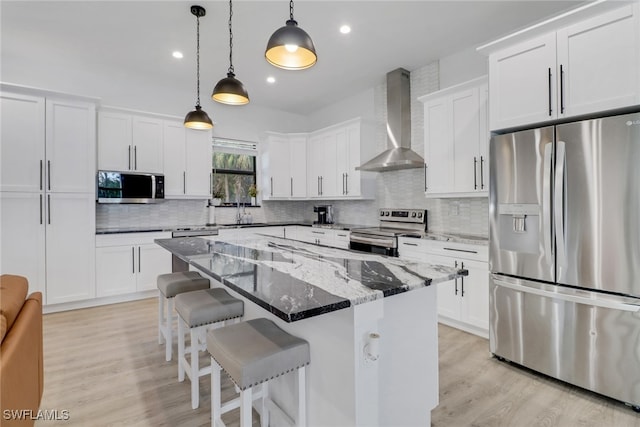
x=123, y=239
x=413, y=247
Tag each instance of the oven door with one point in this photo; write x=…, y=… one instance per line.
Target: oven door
x=376, y=245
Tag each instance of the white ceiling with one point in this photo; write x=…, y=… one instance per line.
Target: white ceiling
x=136, y=38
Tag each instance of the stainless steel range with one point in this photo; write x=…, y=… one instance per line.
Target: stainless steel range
x=393, y=223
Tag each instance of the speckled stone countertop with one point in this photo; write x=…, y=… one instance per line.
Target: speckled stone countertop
x=155, y=228
x=469, y=239
x=296, y=280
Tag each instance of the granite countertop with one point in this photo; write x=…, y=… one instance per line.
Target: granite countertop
x=469, y=239
x=156, y=228
x=295, y=280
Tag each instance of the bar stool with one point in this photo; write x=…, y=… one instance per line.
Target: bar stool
x=170, y=285
x=198, y=311
x=252, y=353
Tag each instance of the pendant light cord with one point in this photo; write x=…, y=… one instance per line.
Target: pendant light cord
x=198, y=59
x=230, y=37
x=291, y=9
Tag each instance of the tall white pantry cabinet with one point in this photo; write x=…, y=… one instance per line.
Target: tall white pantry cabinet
x=47, y=192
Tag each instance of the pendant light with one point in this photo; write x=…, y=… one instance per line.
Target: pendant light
x=290, y=47
x=198, y=119
x=230, y=90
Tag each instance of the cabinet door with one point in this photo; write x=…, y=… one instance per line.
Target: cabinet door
x=115, y=270
x=475, y=294
x=328, y=166
x=22, y=138
x=448, y=292
x=70, y=239
x=600, y=60
x=465, y=128
x=438, y=153
x=483, y=140
x=342, y=160
x=279, y=168
x=199, y=162
x=147, y=144
x=174, y=136
x=152, y=261
x=298, y=163
x=22, y=248
x=114, y=141
x=352, y=176
x=70, y=147
x=314, y=166
x=522, y=83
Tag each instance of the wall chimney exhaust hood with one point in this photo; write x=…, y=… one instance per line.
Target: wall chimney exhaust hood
x=398, y=154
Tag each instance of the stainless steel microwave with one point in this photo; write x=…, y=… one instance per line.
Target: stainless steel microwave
x=129, y=187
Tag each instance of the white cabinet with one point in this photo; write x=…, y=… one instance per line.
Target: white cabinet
x=52, y=154
x=187, y=161
x=128, y=142
x=586, y=67
x=333, y=154
x=128, y=263
x=464, y=302
x=283, y=159
x=47, y=211
x=322, y=236
x=456, y=137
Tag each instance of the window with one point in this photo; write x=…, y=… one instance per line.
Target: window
x=234, y=171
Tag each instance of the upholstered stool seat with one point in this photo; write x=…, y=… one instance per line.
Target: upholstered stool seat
x=197, y=311
x=252, y=353
x=170, y=285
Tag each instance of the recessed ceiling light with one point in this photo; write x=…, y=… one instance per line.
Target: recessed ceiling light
x=178, y=55
x=271, y=79
x=345, y=29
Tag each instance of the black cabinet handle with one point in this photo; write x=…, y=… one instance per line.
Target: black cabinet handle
x=129, y=151
x=41, y=175
x=456, y=280
x=475, y=173
x=140, y=262
x=291, y=186
x=271, y=184
x=346, y=183
x=135, y=157
x=425, y=178
x=184, y=182
x=49, y=174
x=133, y=260
x=561, y=89
x=481, y=173
x=462, y=280
x=41, y=209
x=550, y=110
x=49, y=209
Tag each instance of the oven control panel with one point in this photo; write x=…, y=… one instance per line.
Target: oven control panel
x=418, y=216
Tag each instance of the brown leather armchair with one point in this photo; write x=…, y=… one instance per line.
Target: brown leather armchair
x=21, y=371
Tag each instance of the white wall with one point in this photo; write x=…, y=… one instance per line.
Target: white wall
x=360, y=105
x=461, y=67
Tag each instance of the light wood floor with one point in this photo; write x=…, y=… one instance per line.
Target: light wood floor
x=104, y=366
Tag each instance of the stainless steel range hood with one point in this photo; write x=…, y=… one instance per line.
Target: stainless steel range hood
x=399, y=154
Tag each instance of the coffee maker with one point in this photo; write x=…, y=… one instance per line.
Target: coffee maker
x=325, y=214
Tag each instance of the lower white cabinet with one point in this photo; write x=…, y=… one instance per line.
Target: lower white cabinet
x=129, y=262
x=45, y=239
x=323, y=236
x=464, y=302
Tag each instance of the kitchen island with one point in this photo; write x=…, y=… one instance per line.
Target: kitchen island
x=337, y=300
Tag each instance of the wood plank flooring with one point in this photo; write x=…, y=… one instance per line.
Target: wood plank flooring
x=105, y=366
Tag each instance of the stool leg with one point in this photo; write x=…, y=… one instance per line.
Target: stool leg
x=302, y=402
x=245, y=407
x=169, y=329
x=160, y=317
x=181, y=351
x=216, y=391
x=264, y=417
x=195, y=370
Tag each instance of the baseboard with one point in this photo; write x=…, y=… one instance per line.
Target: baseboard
x=95, y=302
x=484, y=333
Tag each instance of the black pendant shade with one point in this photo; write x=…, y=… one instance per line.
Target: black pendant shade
x=290, y=47
x=230, y=91
x=198, y=118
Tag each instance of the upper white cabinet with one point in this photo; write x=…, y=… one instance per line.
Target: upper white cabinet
x=187, y=161
x=456, y=137
x=47, y=144
x=333, y=154
x=284, y=165
x=586, y=67
x=128, y=142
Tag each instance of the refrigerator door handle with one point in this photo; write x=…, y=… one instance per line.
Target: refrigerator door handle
x=546, y=200
x=558, y=207
x=593, y=300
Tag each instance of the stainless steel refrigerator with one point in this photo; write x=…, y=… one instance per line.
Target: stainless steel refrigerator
x=564, y=212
